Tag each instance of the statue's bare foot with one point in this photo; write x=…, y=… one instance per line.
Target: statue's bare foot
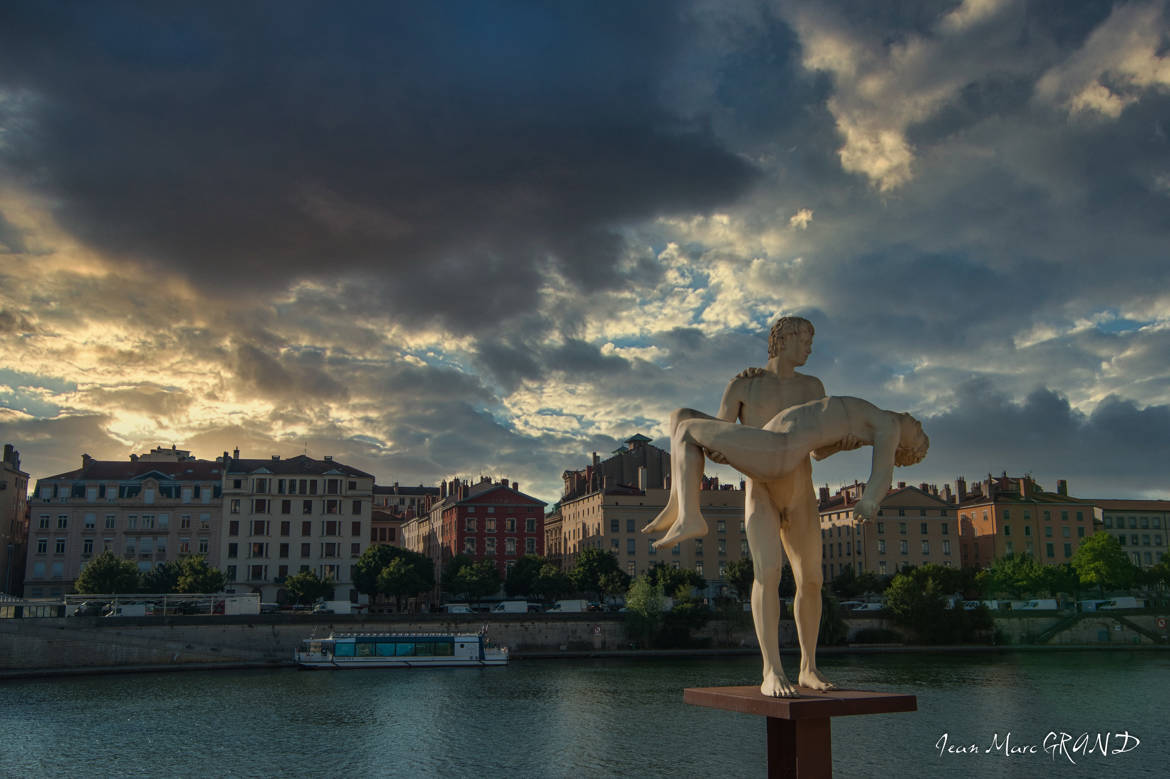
x=665, y=518
x=776, y=685
x=814, y=681
x=684, y=529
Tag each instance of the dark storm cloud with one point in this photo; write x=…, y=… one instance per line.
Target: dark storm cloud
x=453, y=150
x=1118, y=447
x=39, y=442
x=299, y=378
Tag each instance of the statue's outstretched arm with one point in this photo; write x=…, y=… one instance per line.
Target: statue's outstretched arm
x=887, y=433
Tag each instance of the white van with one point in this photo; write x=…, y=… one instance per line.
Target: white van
x=513, y=607
x=568, y=607
x=457, y=608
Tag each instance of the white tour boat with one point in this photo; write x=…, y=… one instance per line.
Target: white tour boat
x=399, y=650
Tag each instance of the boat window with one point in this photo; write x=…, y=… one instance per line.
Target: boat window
x=365, y=650
x=405, y=650
x=444, y=648
x=343, y=650
x=424, y=649
x=386, y=650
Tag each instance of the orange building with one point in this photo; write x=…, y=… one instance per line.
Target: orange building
x=1015, y=515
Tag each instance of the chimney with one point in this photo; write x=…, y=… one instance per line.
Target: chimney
x=824, y=494
x=924, y=487
x=503, y=482
x=328, y=458
x=1025, y=488
x=947, y=495
x=443, y=489
x=133, y=459
x=275, y=458
x=1062, y=487
x=961, y=487
x=236, y=453
x=85, y=458
x=516, y=486
x=642, y=478
x=901, y=485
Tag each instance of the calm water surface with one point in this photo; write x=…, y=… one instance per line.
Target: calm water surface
x=570, y=718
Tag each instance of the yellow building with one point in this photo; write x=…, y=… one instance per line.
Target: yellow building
x=1141, y=526
x=612, y=520
x=914, y=526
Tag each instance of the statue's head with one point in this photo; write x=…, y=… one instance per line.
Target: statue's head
x=913, y=443
x=786, y=326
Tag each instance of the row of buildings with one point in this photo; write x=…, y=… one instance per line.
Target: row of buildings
x=262, y=520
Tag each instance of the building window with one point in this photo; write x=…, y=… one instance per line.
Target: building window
x=306, y=549
x=234, y=527
x=286, y=506
x=903, y=547
x=90, y=521
x=355, y=549
x=1048, y=550
x=530, y=525
x=111, y=520
x=902, y=528
x=881, y=546
x=946, y=547
x=62, y=521
x=1068, y=550
x=615, y=525
x=490, y=547
x=286, y=528
x=233, y=550
x=259, y=527
x=234, y=506
x=260, y=506
x=306, y=507
x=469, y=546
x=721, y=526
x=924, y=529
x=722, y=542
x=490, y=524
x=185, y=522
x=510, y=525
x=42, y=546
x=1048, y=531
x=202, y=546
x=469, y=524
x=650, y=548
x=925, y=547
x=945, y=529
x=510, y=546
x=1007, y=530
x=881, y=527
x=307, y=527
x=530, y=546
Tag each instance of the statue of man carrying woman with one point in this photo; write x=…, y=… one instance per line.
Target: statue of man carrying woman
x=785, y=417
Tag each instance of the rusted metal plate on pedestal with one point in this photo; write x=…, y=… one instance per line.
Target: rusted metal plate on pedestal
x=811, y=704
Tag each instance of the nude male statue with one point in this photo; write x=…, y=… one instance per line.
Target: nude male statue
x=781, y=510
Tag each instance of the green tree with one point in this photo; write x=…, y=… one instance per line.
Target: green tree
x=367, y=572
x=1055, y=579
x=672, y=579
x=476, y=580
x=450, y=574
x=740, y=575
x=644, y=604
x=196, y=576
x=591, y=564
x=306, y=587
x=845, y=584
x=833, y=629
x=917, y=598
x=522, y=579
x=163, y=578
x=401, y=579
x=1015, y=575
x=611, y=583
x=108, y=574
x=369, y=567
x=552, y=583
x=1102, y=563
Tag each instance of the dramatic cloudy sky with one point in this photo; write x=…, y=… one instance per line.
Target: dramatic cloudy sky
x=491, y=238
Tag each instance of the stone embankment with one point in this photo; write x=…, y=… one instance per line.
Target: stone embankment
x=31, y=647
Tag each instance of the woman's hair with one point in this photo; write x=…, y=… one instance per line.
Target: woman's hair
x=913, y=451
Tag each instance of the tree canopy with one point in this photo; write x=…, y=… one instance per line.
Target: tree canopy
x=412, y=573
x=108, y=574
x=307, y=587
x=590, y=566
x=522, y=579
x=1102, y=563
x=475, y=580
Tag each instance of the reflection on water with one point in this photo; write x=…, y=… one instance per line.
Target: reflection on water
x=576, y=718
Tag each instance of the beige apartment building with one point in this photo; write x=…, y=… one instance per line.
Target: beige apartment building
x=284, y=516
x=149, y=510
x=914, y=526
x=612, y=520
x=1142, y=527
x=13, y=521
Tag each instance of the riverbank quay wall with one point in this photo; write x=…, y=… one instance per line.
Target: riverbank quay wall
x=78, y=644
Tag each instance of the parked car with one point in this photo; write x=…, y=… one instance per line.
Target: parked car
x=91, y=608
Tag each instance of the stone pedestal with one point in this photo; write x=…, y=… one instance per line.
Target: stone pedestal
x=799, y=742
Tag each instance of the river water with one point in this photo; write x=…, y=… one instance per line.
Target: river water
x=590, y=718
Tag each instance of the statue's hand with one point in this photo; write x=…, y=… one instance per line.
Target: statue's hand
x=866, y=509
x=716, y=457
x=850, y=442
x=750, y=373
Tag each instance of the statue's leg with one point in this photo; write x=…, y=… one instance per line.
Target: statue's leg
x=669, y=514
x=802, y=540
x=763, y=537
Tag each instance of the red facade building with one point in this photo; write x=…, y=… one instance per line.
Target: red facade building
x=492, y=520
